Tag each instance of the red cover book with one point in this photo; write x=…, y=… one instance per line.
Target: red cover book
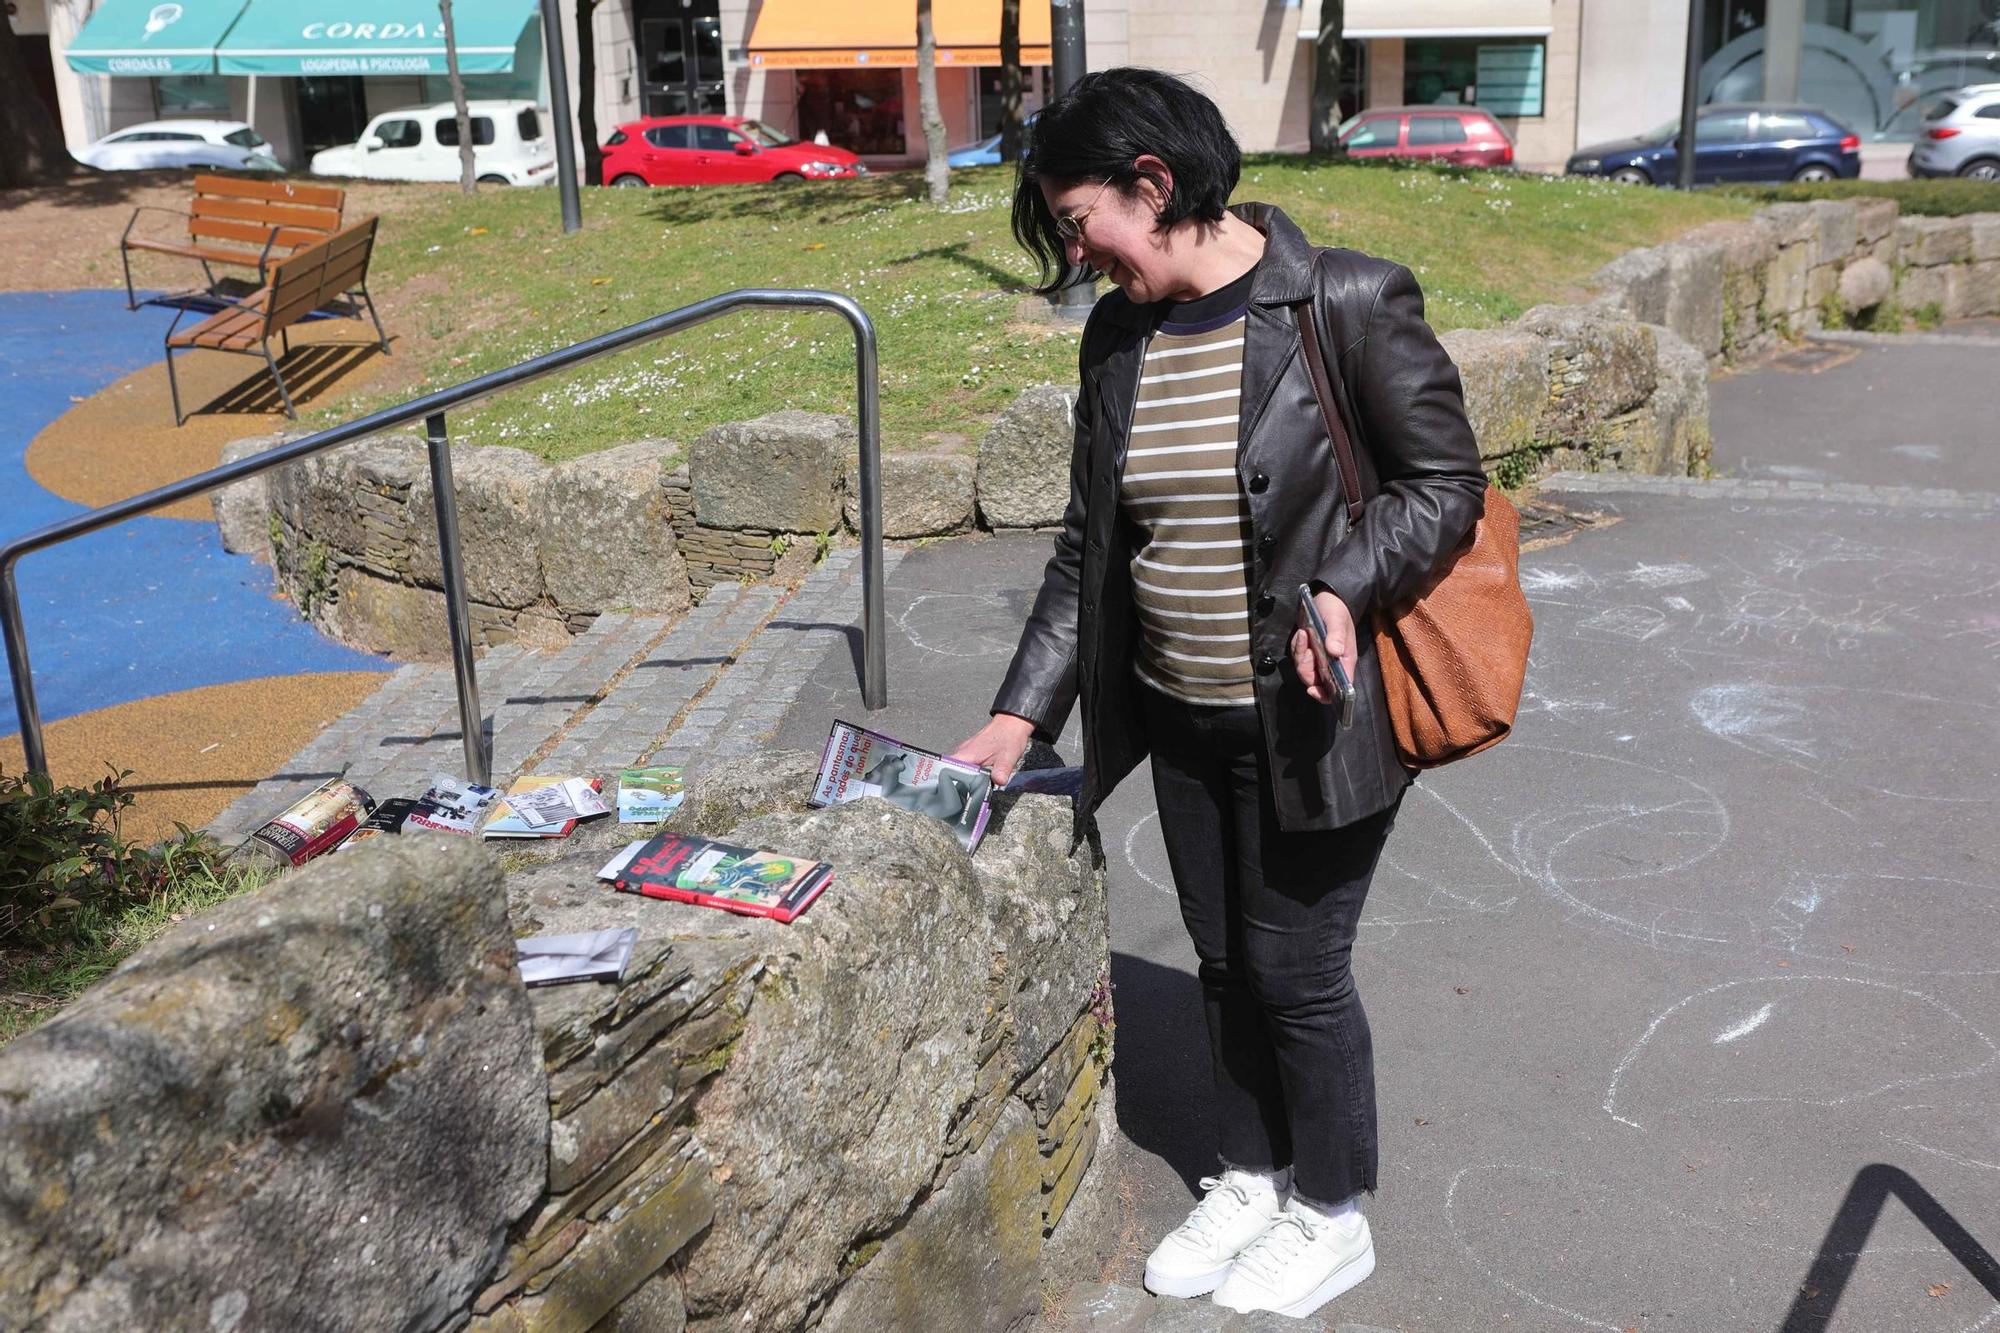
x=684, y=868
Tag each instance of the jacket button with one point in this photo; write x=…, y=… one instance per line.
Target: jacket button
x=1267, y=663
x=1266, y=604
x=1258, y=483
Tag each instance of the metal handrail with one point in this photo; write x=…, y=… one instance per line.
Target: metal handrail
x=431, y=409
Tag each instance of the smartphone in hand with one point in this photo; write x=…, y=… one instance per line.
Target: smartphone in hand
x=1314, y=625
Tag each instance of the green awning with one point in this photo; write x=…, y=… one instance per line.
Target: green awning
x=148, y=37
x=305, y=37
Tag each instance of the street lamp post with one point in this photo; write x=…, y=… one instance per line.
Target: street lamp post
x=552, y=42
x=1067, y=65
x=1690, y=90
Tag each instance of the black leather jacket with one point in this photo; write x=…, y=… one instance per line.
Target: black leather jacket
x=1424, y=490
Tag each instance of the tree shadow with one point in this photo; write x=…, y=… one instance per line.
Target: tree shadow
x=91, y=188
x=957, y=253
x=823, y=203
x=1833, y=1267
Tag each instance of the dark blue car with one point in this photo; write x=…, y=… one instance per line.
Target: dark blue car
x=1733, y=141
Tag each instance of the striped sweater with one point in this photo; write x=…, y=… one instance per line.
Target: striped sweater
x=1179, y=488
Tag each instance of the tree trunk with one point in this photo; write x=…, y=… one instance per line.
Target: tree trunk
x=31, y=143
x=1010, y=80
x=586, y=92
x=468, y=174
x=937, y=172
x=1327, y=53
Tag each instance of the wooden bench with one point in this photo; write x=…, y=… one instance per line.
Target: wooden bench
x=243, y=222
x=297, y=287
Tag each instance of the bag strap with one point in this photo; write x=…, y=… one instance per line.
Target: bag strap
x=1314, y=351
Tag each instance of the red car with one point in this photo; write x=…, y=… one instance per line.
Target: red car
x=717, y=150
x=1462, y=135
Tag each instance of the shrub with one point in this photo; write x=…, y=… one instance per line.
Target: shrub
x=1942, y=198
x=62, y=857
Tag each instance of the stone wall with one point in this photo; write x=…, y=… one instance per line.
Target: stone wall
x=332, y=1098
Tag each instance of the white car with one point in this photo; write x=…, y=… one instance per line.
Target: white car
x=229, y=144
x=510, y=146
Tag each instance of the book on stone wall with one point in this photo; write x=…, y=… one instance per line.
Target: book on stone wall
x=683, y=868
x=545, y=807
x=317, y=822
x=596, y=955
x=649, y=795
x=858, y=762
x=449, y=805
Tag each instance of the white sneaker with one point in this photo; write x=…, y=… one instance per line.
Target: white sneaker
x=1299, y=1263
x=1234, y=1210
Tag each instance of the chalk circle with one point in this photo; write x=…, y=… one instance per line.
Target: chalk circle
x=1146, y=853
x=1597, y=1254
x=1812, y=1039
x=1606, y=841
x=1841, y=570
x=1916, y=747
x=959, y=624
x=1908, y=925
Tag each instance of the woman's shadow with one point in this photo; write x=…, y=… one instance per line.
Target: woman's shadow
x=1160, y=1060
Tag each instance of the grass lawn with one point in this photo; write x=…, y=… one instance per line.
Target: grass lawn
x=471, y=285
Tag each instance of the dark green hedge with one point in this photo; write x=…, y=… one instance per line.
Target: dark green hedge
x=1942, y=198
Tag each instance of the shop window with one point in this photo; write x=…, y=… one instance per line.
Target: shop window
x=1503, y=76
x=191, y=95
x=860, y=110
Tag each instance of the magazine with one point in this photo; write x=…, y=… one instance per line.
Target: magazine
x=596, y=955
x=544, y=807
x=858, y=762
x=688, y=869
x=450, y=805
x=315, y=823
x=648, y=795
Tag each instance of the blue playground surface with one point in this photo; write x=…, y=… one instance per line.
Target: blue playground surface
x=151, y=606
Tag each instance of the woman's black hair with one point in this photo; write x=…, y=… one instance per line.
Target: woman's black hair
x=1098, y=130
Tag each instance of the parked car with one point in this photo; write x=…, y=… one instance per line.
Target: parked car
x=181, y=143
x=717, y=150
x=985, y=153
x=1465, y=136
x=1733, y=141
x=1961, y=135
x=510, y=146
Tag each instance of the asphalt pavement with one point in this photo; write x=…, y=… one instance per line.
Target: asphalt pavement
x=1686, y=998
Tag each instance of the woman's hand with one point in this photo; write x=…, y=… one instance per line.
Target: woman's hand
x=1340, y=646
x=997, y=746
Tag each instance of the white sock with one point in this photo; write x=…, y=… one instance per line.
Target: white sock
x=1348, y=1210
x=1277, y=1182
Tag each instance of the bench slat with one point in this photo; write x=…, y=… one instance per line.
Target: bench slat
x=266, y=213
x=253, y=233
x=214, y=254
x=291, y=192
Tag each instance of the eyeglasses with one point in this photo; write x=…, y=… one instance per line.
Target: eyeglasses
x=1069, y=227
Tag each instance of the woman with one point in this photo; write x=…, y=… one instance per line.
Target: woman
x=1203, y=493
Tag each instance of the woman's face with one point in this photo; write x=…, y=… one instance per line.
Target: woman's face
x=1118, y=238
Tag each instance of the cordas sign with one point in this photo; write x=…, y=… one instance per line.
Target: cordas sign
x=343, y=31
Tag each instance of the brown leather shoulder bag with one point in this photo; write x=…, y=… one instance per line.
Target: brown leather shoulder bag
x=1453, y=659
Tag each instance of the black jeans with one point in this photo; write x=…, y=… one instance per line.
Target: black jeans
x=1273, y=916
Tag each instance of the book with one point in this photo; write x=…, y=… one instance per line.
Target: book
x=544, y=807
x=449, y=805
x=858, y=762
x=648, y=795
x=611, y=868
x=388, y=818
x=317, y=822
x=596, y=955
x=684, y=868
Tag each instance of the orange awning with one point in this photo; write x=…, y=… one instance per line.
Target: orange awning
x=812, y=34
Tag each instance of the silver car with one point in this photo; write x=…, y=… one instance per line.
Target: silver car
x=1961, y=135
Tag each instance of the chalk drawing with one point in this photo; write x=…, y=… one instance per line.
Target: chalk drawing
x=957, y=624
x=1150, y=818
x=1906, y=925
x=1637, y=623
x=1664, y=576
x=1745, y=1028
x=1452, y=1219
x=1863, y=1052
x=1928, y=453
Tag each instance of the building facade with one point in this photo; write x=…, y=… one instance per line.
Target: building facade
x=1556, y=73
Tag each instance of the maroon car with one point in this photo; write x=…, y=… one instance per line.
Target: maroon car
x=1461, y=135
x=717, y=150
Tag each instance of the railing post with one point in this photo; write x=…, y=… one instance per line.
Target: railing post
x=478, y=761
x=874, y=659
x=22, y=674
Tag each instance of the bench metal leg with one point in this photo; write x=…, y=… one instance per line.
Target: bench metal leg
x=285, y=341
x=131, y=297
x=283, y=392
x=174, y=386
x=379, y=333
x=208, y=273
